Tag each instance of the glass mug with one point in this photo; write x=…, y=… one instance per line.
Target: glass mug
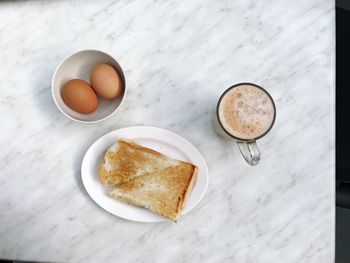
x=245, y=113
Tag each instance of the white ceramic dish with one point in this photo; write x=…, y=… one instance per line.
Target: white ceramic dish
x=78, y=66
x=158, y=139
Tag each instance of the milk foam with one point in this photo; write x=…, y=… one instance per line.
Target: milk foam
x=246, y=112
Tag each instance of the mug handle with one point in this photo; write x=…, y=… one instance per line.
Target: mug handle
x=250, y=152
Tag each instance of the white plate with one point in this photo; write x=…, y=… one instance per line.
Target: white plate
x=158, y=139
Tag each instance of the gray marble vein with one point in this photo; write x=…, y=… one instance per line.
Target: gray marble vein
x=178, y=56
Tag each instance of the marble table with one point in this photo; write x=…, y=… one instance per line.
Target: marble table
x=178, y=56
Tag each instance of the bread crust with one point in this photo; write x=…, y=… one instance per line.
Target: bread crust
x=187, y=192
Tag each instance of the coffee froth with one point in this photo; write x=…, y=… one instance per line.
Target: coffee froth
x=246, y=112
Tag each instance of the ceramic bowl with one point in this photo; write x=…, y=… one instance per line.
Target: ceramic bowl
x=78, y=66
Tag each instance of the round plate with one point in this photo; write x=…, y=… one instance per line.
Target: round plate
x=158, y=139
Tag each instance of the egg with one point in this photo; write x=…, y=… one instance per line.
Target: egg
x=106, y=81
x=80, y=96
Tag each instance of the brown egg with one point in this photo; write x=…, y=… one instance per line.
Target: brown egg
x=80, y=96
x=106, y=81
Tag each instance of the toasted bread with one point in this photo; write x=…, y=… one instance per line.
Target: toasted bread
x=147, y=178
x=163, y=191
x=127, y=160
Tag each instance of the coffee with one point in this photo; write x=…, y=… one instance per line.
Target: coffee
x=246, y=112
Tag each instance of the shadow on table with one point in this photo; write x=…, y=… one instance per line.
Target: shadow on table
x=78, y=160
x=47, y=105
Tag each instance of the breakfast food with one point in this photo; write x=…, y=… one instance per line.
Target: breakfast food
x=80, y=96
x=106, y=81
x=163, y=191
x=246, y=111
x=126, y=160
x=144, y=177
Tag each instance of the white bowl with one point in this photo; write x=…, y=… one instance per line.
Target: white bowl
x=78, y=66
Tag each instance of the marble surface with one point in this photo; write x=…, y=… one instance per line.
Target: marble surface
x=178, y=56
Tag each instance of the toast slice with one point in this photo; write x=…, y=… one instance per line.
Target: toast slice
x=163, y=191
x=127, y=160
